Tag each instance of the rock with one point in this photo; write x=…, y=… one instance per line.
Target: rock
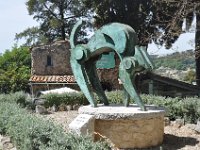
x=197, y=127
x=54, y=108
x=178, y=123
x=83, y=124
x=1, y=145
x=69, y=107
x=76, y=107
x=39, y=109
x=38, y=101
x=166, y=121
x=5, y=143
x=8, y=146
x=62, y=107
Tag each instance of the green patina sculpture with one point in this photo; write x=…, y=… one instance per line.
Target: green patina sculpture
x=114, y=37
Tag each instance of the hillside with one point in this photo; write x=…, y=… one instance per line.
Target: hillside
x=178, y=61
x=180, y=66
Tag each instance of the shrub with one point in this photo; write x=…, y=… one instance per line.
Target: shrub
x=187, y=108
x=191, y=109
x=115, y=97
x=18, y=97
x=66, y=98
x=31, y=133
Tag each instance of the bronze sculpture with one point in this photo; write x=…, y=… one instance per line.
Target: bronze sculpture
x=116, y=37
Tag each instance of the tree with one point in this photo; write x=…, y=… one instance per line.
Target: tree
x=15, y=70
x=197, y=46
x=55, y=18
x=134, y=13
x=153, y=20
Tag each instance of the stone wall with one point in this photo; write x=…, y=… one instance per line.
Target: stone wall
x=109, y=77
x=59, y=55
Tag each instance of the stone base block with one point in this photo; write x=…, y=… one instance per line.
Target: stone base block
x=128, y=127
x=131, y=133
x=83, y=124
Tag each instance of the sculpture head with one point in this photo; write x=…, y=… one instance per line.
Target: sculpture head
x=144, y=60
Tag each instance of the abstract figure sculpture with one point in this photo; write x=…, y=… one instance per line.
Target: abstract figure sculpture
x=116, y=37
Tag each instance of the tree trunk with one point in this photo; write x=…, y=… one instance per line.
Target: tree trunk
x=63, y=36
x=197, y=48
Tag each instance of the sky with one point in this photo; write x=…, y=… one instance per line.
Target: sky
x=184, y=42
x=14, y=19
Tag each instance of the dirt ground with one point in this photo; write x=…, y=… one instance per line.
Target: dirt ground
x=183, y=138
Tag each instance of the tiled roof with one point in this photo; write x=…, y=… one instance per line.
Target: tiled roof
x=53, y=78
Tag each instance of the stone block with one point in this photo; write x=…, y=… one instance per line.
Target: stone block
x=83, y=124
x=39, y=109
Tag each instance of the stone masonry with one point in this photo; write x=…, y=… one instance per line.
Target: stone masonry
x=52, y=59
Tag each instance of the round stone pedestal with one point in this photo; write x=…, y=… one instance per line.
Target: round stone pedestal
x=128, y=127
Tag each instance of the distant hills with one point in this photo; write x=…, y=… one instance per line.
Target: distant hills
x=179, y=60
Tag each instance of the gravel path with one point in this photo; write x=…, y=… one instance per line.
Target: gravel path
x=63, y=118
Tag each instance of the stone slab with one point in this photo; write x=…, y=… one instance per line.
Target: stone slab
x=115, y=112
x=83, y=124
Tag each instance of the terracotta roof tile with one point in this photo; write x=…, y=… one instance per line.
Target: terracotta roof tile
x=54, y=78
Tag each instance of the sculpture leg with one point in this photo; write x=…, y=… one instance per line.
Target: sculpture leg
x=126, y=97
x=94, y=80
x=82, y=80
x=126, y=79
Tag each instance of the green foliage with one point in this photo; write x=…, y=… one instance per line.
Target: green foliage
x=179, y=61
x=66, y=98
x=173, y=106
x=153, y=20
x=17, y=97
x=32, y=34
x=190, y=76
x=28, y=132
x=55, y=18
x=133, y=13
x=187, y=108
x=15, y=70
x=191, y=109
x=115, y=97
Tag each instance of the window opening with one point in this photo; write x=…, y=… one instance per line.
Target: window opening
x=49, y=61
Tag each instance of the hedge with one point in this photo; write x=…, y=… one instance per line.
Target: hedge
x=65, y=98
